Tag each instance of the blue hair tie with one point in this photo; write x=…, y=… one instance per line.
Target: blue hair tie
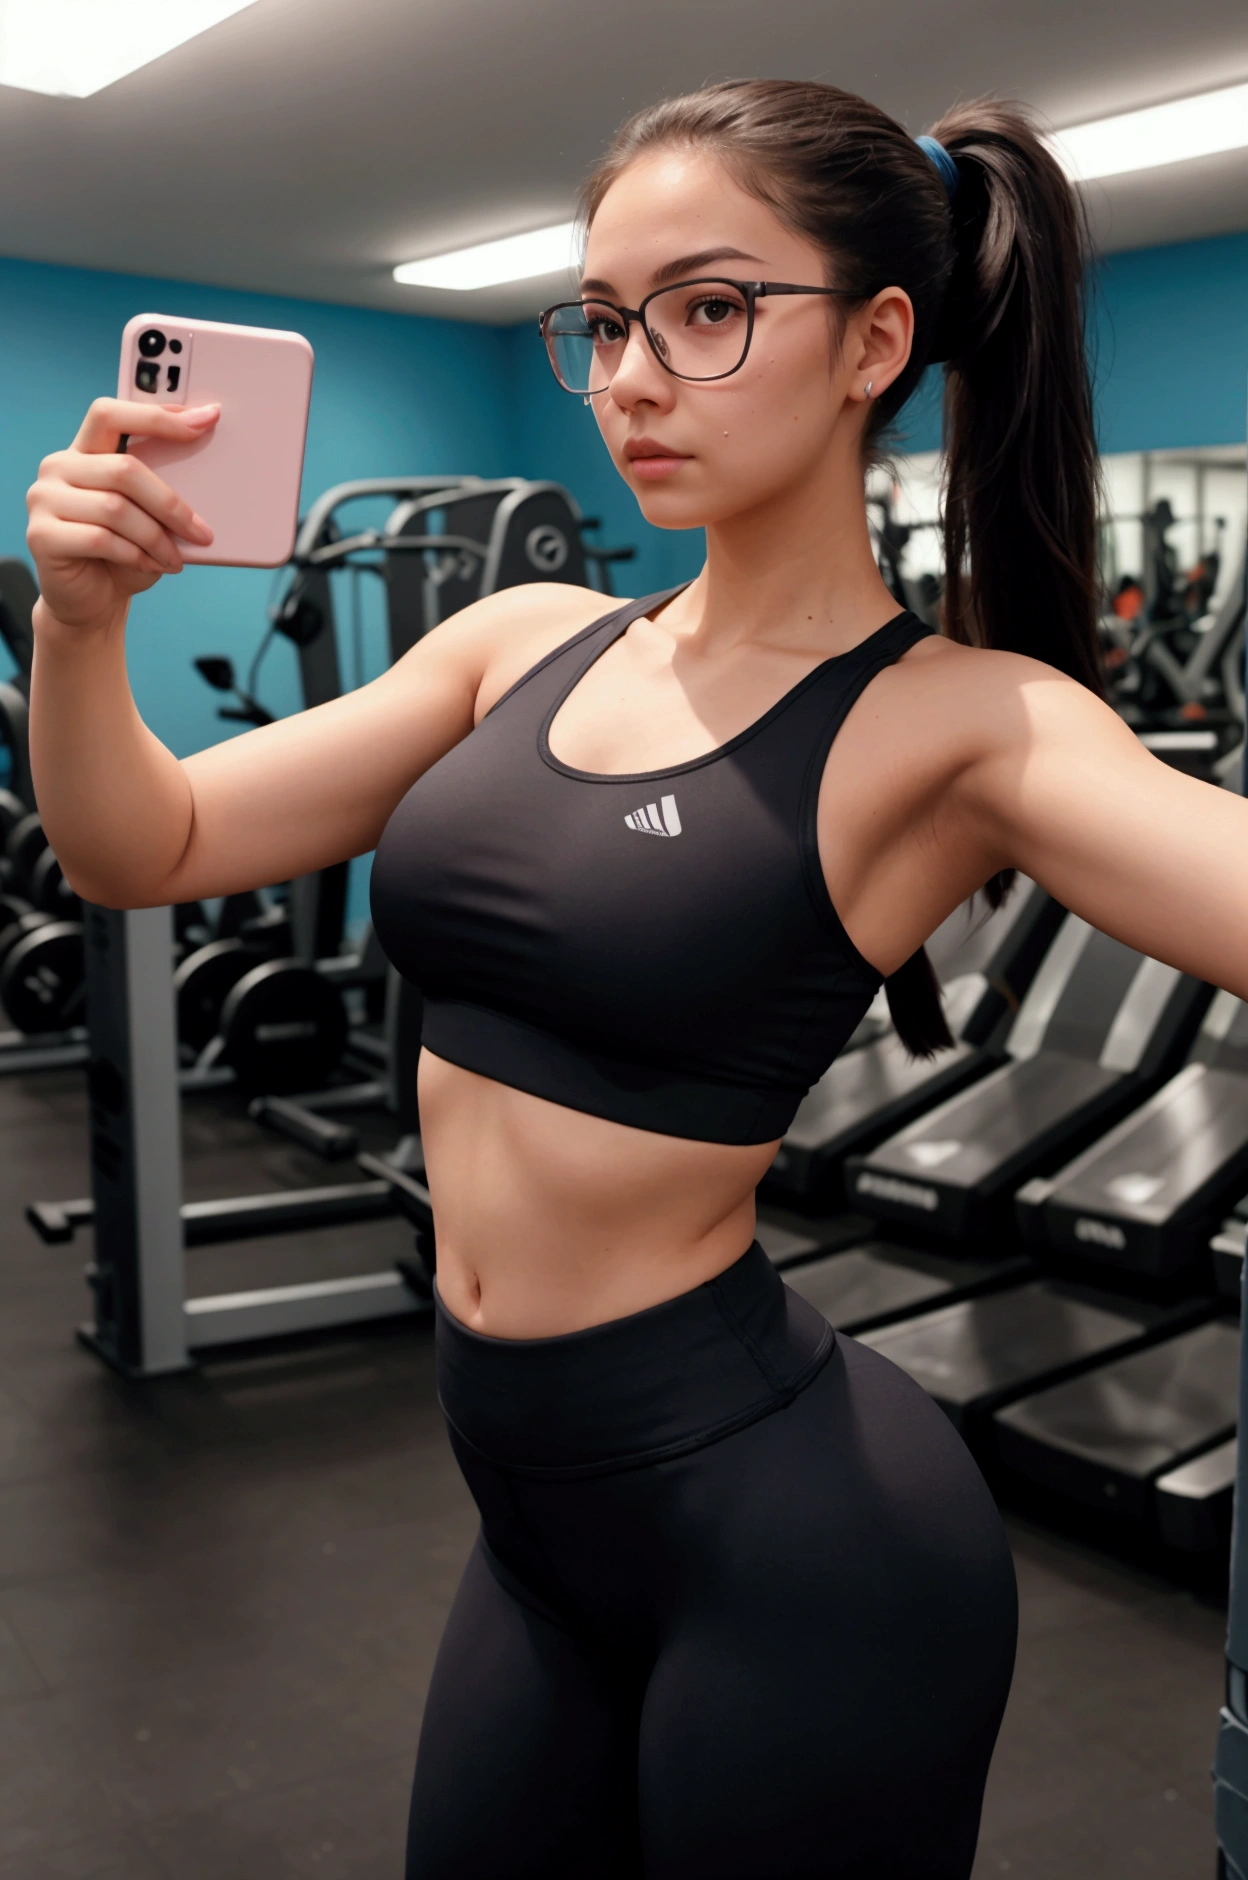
x=942, y=162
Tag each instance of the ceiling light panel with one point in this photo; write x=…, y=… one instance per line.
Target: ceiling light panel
x=489, y=264
x=72, y=48
x=1161, y=134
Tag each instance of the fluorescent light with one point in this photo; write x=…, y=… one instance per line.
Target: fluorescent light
x=515, y=258
x=1160, y=134
x=72, y=48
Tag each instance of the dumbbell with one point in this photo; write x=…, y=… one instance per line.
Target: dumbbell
x=16, y=919
x=29, y=866
x=50, y=891
x=24, y=845
x=284, y=1028
x=207, y=974
x=201, y=985
x=282, y=1025
x=12, y=809
x=43, y=968
x=191, y=929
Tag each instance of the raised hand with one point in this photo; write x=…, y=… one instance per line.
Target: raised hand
x=102, y=524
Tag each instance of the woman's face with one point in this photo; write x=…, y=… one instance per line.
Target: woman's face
x=699, y=453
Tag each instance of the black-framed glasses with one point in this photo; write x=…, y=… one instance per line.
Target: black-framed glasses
x=697, y=330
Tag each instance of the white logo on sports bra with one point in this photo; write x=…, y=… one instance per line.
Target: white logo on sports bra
x=661, y=821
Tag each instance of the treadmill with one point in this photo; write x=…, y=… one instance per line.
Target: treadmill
x=982, y=1353
x=1116, y=1437
x=1147, y=1196
x=1195, y=1500
x=985, y=961
x=880, y=1281
x=1099, y=1029
x=1150, y=1437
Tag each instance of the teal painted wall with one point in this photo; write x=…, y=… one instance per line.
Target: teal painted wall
x=1172, y=345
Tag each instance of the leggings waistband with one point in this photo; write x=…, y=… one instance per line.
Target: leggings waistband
x=636, y=1390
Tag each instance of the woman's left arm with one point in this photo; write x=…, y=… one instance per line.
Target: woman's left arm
x=1066, y=792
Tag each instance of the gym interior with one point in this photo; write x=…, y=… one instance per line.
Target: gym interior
x=231, y=1526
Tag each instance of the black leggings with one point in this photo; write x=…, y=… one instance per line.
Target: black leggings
x=742, y=1607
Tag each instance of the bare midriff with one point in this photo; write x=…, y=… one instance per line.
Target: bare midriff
x=550, y=1220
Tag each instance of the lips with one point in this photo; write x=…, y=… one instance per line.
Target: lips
x=647, y=448
x=649, y=458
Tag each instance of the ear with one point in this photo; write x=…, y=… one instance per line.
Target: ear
x=878, y=339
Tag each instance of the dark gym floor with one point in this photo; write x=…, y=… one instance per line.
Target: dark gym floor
x=220, y=1595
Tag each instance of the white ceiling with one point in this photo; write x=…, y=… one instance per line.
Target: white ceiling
x=306, y=146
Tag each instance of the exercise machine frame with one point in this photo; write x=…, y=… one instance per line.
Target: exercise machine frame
x=144, y=1324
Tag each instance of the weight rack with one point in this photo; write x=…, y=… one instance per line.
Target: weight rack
x=144, y=1324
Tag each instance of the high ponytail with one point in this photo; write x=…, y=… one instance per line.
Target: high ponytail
x=1019, y=436
x=995, y=273
x=1020, y=443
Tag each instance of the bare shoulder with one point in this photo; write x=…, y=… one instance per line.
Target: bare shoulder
x=529, y=623
x=998, y=704
x=491, y=644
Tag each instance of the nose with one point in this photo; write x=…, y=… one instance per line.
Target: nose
x=639, y=378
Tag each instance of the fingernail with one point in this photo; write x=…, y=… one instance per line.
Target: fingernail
x=200, y=414
x=204, y=528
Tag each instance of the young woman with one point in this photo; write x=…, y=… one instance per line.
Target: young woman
x=741, y=1605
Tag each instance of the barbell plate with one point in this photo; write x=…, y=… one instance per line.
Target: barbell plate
x=43, y=979
x=25, y=844
x=202, y=984
x=50, y=891
x=284, y=1028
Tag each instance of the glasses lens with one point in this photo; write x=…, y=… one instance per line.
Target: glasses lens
x=585, y=343
x=700, y=331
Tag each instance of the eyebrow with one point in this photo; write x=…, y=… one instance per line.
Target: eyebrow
x=678, y=270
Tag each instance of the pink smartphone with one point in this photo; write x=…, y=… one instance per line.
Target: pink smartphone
x=244, y=477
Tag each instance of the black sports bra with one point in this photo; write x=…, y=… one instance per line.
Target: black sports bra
x=658, y=948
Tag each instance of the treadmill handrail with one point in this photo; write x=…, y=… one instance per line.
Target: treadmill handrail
x=1137, y=1017
x=325, y=504
x=961, y=997
x=1026, y=1035
x=370, y=539
x=1219, y=1022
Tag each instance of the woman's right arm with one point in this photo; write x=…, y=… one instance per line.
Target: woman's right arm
x=130, y=824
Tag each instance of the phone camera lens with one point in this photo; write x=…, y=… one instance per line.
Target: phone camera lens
x=175, y=345
x=151, y=343
x=147, y=376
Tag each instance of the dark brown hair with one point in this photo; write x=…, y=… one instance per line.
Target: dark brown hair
x=996, y=277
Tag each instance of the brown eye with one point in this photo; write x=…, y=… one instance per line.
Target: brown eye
x=713, y=312
x=604, y=326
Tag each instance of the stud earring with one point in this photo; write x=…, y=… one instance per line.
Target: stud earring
x=866, y=390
